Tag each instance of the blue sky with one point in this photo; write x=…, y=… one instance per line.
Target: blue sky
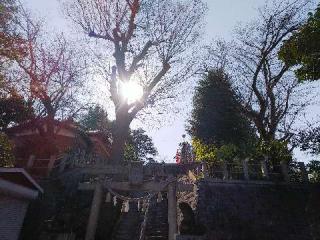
x=221, y=19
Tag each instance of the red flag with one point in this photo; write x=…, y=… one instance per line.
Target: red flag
x=178, y=157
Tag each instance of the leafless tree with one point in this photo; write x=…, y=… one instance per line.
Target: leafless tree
x=152, y=41
x=267, y=87
x=51, y=72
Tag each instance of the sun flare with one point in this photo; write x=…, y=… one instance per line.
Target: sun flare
x=131, y=91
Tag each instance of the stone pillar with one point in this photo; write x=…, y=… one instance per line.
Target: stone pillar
x=30, y=161
x=51, y=164
x=94, y=213
x=264, y=168
x=159, y=198
x=304, y=172
x=225, y=171
x=245, y=169
x=172, y=210
x=284, y=170
x=125, y=206
x=204, y=169
x=140, y=205
x=108, y=197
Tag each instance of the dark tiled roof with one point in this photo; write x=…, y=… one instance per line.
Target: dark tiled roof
x=20, y=177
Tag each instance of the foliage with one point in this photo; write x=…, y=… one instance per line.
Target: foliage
x=302, y=49
x=314, y=170
x=139, y=146
x=210, y=153
x=12, y=46
x=203, y=152
x=96, y=119
x=6, y=152
x=309, y=140
x=14, y=109
x=216, y=118
x=276, y=151
x=228, y=153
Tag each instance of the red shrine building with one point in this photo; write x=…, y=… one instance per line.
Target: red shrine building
x=38, y=152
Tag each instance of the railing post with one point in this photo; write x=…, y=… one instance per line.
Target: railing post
x=304, y=172
x=125, y=206
x=264, y=168
x=204, y=169
x=30, y=161
x=225, y=171
x=139, y=205
x=172, y=210
x=284, y=169
x=246, y=169
x=159, y=197
x=94, y=213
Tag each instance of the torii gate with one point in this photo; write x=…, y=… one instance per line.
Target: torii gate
x=135, y=182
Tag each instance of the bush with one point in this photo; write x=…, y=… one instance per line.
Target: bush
x=6, y=152
x=211, y=154
x=275, y=150
x=314, y=170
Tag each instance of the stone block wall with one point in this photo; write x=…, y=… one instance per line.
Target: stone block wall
x=246, y=211
x=12, y=212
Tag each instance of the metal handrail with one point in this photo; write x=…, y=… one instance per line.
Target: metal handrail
x=254, y=171
x=145, y=220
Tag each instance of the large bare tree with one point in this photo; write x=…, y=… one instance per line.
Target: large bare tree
x=151, y=41
x=51, y=72
x=266, y=86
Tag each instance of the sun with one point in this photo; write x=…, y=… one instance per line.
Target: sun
x=131, y=91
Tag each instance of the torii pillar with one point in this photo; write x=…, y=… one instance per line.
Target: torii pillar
x=172, y=210
x=94, y=212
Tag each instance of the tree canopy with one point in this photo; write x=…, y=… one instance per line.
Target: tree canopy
x=13, y=110
x=12, y=45
x=216, y=118
x=96, y=119
x=139, y=146
x=268, y=91
x=309, y=140
x=13, y=107
x=149, y=42
x=302, y=49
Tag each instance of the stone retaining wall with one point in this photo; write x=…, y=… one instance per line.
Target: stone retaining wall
x=246, y=211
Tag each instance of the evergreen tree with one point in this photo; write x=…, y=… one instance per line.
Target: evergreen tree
x=96, y=119
x=216, y=118
x=139, y=146
x=13, y=110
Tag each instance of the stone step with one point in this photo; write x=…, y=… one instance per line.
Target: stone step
x=157, y=226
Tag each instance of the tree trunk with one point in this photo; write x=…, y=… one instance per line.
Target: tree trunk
x=119, y=137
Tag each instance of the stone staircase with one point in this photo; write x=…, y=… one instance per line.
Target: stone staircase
x=129, y=226
x=157, y=224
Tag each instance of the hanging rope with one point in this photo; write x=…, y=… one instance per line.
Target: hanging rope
x=132, y=199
